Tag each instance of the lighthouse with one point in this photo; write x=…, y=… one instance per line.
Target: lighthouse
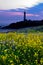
x=24, y=16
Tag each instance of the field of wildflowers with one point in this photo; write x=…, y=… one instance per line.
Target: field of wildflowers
x=21, y=48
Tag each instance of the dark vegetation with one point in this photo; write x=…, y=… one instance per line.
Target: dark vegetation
x=24, y=24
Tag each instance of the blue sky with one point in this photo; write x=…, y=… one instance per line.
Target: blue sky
x=12, y=10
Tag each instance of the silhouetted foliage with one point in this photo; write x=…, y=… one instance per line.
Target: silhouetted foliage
x=23, y=24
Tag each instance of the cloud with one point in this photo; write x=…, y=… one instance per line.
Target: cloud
x=17, y=14
x=21, y=14
x=13, y=4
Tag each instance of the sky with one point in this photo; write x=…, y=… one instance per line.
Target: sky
x=12, y=10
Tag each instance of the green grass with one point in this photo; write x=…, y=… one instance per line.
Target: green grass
x=30, y=29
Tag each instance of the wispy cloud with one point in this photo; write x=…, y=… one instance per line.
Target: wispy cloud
x=36, y=15
x=13, y=4
x=17, y=13
x=22, y=14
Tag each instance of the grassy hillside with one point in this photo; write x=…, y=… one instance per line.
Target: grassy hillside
x=31, y=29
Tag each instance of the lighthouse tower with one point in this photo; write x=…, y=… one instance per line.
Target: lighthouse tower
x=24, y=16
